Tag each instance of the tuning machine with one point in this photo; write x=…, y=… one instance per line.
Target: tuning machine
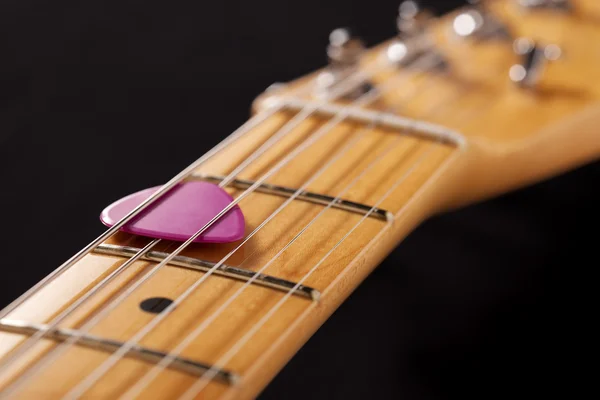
x=344, y=50
x=412, y=19
x=534, y=59
x=479, y=23
x=413, y=41
x=344, y=53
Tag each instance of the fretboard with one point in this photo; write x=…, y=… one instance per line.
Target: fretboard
x=364, y=186
x=327, y=192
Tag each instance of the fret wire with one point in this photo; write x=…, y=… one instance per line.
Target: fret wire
x=183, y=174
x=249, y=125
x=311, y=197
x=182, y=364
x=102, y=369
x=23, y=348
x=202, y=265
x=151, y=375
x=238, y=133
x=138, y=387
x=201, y=383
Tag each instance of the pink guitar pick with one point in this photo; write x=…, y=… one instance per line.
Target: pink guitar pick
x=180, y=213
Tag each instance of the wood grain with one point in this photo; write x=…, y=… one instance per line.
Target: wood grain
x=514, y=137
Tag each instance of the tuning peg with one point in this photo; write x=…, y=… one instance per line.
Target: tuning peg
x=412, y=19
x=344, y=49
x=413, y=42
x=560, y=5
x=344, y=52
x=534, y=59
x=478, y=22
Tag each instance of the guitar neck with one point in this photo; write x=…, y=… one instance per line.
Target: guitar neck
x=384, y=182
x=328, y=188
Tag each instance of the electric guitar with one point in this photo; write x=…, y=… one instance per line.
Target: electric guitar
x=204, y=288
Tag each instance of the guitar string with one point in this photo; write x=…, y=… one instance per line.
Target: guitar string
x=245, y=128
x=205, y=379
x=201, y=383
x=253, y=122
x=32, y=340
x=172, y=355
x=113, y=275
x=127, y=345
x=140, y=253
x=300, y=117
x=193, y=392
x=233, y=137
x=117, y=355
x=406, y=96
x=240, y=132
x=128, y=260
x=293, y=289
x=165, y=260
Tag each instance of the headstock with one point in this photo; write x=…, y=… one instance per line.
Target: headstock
x=517, y=78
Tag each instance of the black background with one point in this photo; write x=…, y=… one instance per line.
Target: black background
x=102, y=98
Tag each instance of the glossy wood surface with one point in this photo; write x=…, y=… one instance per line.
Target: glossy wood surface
x=514, y=137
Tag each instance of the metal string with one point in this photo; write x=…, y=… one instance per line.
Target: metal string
x=24, y=347
x=199, y=385
x=408, y=95
x=206, y=377
x=122, y=268
x=300, y=117
x=237, y=134
x=32, y=340
x=276, y=137
x=191, y=289
x=172, y=355
x=233, y=137
x=241, y=131
x=123, y=350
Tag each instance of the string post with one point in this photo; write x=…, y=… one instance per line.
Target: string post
x=413, y=41
x=479, y=23
x=344, y=53
x=412, y=19
x=534, y=58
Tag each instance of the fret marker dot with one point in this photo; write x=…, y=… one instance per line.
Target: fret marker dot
x=155, y=305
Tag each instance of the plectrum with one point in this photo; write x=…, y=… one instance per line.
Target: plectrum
x=180, y=213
